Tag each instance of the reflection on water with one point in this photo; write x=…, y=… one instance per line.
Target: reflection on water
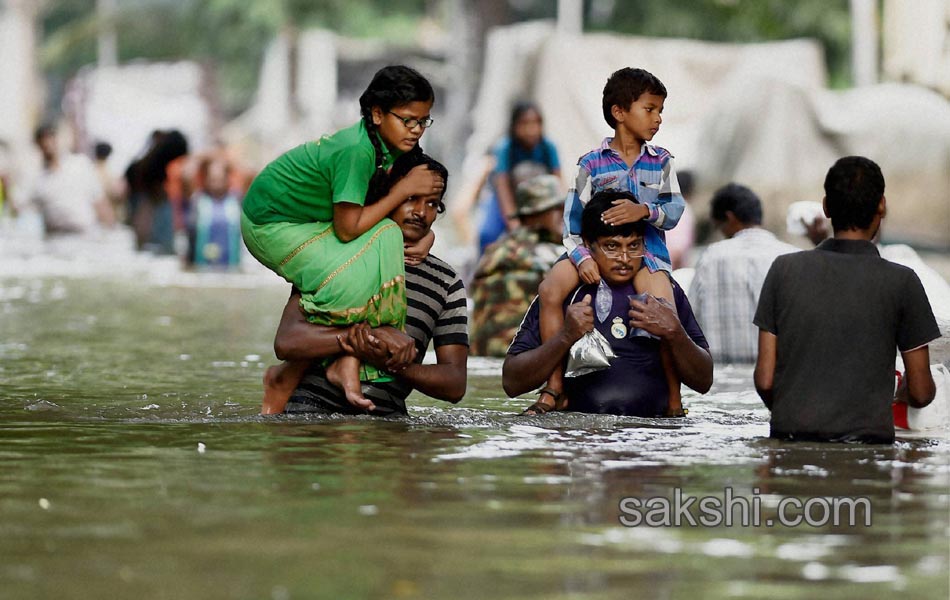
x=134, y=464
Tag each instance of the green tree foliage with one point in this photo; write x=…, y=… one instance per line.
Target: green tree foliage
x=828, y=21
x=230, y=36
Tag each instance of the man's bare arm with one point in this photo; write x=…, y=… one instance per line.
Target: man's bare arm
x=765, y=367
x=298, y=339
x=524, y=372
x=445, y=380
x=527, y=371
x=693, y=364
x=918, y=388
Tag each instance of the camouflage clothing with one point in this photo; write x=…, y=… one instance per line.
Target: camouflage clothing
x=505, y=281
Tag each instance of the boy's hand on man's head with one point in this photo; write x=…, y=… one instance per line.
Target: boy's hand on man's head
x=588, y=271
x=625, y=211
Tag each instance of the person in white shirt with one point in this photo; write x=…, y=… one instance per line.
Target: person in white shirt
x=67, y=191
x=729, y=274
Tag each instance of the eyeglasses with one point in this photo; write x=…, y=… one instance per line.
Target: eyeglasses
x=413, y=123
x=634, y=251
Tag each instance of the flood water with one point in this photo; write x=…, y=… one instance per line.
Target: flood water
x=134, y=465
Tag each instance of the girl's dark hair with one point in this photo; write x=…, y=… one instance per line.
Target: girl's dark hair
x=625, y=86
x=519, y=109
x=392, y=86
x=170, y=145
x=408, y=162
x=854, y=187
x=593, y=227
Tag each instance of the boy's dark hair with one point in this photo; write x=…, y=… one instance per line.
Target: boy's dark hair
x=408, y=162
x=392, y=86
x=623, y=88
x=854, y=187
x=593, y=227
x=740, y=201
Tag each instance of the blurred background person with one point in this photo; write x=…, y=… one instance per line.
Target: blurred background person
x=67, y=191
x=214, y=218
x=111, y=185
x=156, y=192
x=729, y=274
x=508, y=274
x=524, y=153
x=4, y=178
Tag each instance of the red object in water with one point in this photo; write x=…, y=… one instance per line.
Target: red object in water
x=900, y=415
x=899, y=410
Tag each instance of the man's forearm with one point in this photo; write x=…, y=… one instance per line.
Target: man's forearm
x=298, y=339
x=443, y=382
x=527, y=371
x=764, y=374
x=693, y=364
x=317, y=341
x=919, y=388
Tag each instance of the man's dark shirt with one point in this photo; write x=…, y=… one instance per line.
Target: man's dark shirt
x=634, y=384
x=840, y=313
x=436, y=311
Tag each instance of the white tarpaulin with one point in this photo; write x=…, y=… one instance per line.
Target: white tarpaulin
x=123, y=105
x=780, y=140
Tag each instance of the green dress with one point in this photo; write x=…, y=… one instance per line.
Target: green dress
x=287, y=224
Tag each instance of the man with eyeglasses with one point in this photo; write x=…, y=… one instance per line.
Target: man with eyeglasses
x=436, y=313
x=634, y=384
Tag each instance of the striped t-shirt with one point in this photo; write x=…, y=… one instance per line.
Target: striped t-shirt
x=652, y=181
x=436, y=312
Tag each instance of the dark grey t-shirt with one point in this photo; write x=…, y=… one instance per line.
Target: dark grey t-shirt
x=840, y=313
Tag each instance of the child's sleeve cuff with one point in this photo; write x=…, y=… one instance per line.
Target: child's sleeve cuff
x=579, y=255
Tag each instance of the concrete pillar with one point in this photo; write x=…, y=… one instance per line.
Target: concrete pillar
x=570, y=17
x=864, y=42
x=107, y=46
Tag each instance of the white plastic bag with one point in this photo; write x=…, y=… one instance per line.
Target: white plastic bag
x=590, y=353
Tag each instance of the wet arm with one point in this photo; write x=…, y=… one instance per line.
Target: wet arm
x=444, y=380
x=919, y=389
x=693, y=363
x=522, y=373
x=298, y=339
x=765, y=366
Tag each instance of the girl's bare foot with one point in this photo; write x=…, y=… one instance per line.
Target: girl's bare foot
x=280, y=381
x=344, y=373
